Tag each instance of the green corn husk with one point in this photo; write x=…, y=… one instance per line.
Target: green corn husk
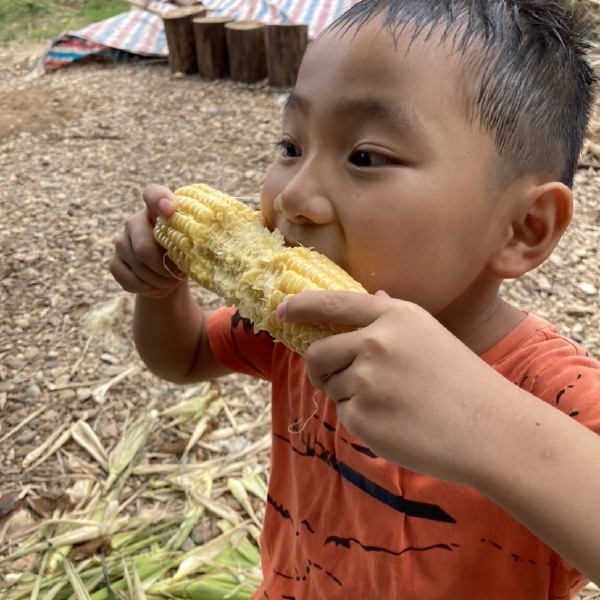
x=103, y=550
x=217, y=586
x=134, y=583
x=129, y=447
x=85, y=436
x=77, y=584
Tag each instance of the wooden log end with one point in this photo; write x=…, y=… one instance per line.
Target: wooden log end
x=182, y=13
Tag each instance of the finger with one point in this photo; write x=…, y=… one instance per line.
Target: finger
x=137, y=250
x=130, y=271
x=137, y=247
x=328, y=357
x=148, y=260
x=336, y=386
x=160, y=201
x=341, y=308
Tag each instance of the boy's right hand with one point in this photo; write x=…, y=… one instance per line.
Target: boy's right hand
x=139, y=263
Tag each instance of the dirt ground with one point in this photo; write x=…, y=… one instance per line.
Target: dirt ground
x=76, y=149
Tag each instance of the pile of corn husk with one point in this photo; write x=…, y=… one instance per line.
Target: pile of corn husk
x=129, y=527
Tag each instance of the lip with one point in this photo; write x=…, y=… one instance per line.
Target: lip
x=290, y=243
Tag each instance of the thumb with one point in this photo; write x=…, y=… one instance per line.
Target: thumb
x=382, y=294
x=166, y=206
x=160, y=201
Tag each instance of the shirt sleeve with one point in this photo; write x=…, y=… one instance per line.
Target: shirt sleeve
x=236, y=345
x=552, y=367
x=569, y=380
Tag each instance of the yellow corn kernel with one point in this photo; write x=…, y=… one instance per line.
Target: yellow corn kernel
x=225, y=247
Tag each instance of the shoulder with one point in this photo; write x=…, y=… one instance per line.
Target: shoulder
x=242, y=349
x=551, y=366
x=535, y=343
x=237, y=346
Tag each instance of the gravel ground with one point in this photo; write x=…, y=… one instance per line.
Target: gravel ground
x=73, y=169
x=76, y=149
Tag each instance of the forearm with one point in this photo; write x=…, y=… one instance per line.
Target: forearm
x=169, y=337
x=542, y=468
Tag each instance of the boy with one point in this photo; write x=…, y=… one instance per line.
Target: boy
x=428, y=148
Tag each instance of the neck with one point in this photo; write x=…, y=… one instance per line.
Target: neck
x=482, y=322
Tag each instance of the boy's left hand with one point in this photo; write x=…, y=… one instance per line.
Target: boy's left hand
x=404, y=384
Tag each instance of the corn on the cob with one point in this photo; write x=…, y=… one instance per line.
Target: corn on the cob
x=224, y=246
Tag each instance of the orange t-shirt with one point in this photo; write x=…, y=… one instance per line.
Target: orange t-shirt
x=342, y=523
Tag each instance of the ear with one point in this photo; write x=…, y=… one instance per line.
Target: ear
x=540, y=219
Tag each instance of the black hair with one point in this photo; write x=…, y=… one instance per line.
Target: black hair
x=533, y=87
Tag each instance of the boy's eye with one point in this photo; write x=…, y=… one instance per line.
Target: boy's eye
x=362, y=158
x=288, y=149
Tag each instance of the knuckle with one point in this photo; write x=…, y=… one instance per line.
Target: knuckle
x=353, y=421
x=373, y=344
x=145, y=248
x=114, y=266
x=311, y=355
x=332, y=302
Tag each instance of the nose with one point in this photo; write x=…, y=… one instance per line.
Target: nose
x=303, y=197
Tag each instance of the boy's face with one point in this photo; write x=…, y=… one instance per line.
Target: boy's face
x=380, y=169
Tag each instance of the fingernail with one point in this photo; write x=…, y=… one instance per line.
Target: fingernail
x=382, y=293
x=165, y=205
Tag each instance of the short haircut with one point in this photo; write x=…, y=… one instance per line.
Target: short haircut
x=531, y=85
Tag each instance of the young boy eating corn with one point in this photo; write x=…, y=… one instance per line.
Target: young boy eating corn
x=428, y=148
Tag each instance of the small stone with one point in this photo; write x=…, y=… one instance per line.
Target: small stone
x=109, y=358
x=12, y=362
x=84, y=393
x=542, y=284
x=588, y=288
x=556, y=260
x=22, y=321
x=62, y=379
x=33, y=392
x=26, y=437
x=576, y=335
x=31, y=352
x=66, y=395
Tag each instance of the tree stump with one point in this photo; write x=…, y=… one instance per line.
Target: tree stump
x=247, y=50
x=286, y=44
x=211, y=46
x=180, y=39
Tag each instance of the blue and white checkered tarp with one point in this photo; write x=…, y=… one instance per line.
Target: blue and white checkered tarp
x=317, y=14
x=141, y=32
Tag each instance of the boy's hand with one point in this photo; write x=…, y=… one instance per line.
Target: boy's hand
x=139, y=263
x=404, y=384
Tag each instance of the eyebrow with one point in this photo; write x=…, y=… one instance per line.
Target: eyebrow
x=388, y=112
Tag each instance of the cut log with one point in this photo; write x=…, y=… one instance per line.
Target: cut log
x=180, y=39
x=211, y=47
x=286, y=44
x=246, y=47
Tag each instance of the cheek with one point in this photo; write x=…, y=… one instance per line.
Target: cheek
x=377, y=253
x=408, y=258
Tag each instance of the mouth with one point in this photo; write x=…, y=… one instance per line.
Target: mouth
x=290, y=243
